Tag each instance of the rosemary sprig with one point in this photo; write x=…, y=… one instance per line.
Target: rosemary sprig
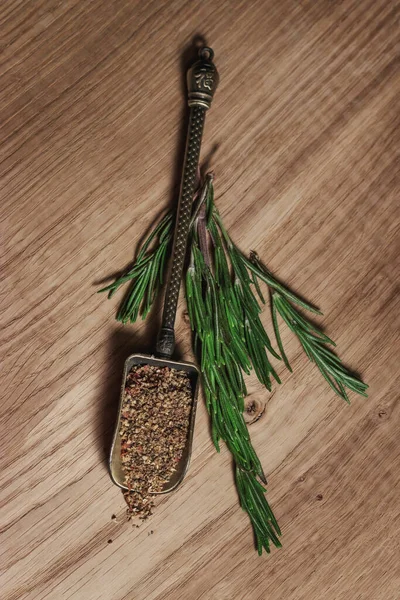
x=146, y=274
x=230, y=340
x=315, y=344
x=218, y=344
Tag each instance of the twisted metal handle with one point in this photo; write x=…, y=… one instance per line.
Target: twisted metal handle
x=202, y=82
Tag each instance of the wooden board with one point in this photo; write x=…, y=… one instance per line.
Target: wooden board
x=304, y=141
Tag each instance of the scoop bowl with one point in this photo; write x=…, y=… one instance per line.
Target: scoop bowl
x=115, y=463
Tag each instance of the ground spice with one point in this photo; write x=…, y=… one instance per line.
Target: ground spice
x=154, y=427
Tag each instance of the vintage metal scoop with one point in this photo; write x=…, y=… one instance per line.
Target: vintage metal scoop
x=202, y=80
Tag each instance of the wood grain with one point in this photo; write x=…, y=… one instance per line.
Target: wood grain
x=303, y=137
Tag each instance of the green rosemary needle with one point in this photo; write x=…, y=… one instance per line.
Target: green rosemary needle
x=146, y=275
x=253, y=501
x=315, y=344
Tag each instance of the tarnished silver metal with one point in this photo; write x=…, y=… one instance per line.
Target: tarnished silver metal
x=202, y=81
x=166, y=340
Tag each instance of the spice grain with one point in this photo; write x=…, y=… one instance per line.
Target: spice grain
x=154, y=428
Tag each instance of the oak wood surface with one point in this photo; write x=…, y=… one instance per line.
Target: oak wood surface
x=303, y=137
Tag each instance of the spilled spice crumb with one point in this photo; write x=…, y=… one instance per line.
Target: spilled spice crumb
x=154, y=427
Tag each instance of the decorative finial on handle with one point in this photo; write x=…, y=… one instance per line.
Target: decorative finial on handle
x=202, y=79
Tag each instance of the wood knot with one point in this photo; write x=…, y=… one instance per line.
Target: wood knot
x=383, y=413
x=253, y=410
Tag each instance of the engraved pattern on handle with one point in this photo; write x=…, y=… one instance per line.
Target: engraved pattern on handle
x=166, y=340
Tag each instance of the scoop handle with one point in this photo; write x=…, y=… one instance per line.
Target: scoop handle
x=202, y=79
